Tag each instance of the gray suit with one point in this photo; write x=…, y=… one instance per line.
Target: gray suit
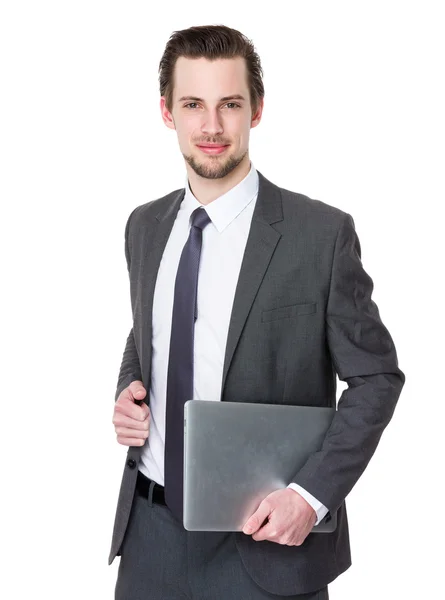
x=302, y=313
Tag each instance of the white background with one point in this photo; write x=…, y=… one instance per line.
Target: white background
x=354, y=116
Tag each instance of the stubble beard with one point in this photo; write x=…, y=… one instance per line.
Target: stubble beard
x=214, y=167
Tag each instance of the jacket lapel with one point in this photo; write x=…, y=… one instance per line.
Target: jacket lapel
x=260, y=247
x=155, y=241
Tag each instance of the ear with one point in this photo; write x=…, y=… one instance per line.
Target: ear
x=167, y=116
x=256, y=118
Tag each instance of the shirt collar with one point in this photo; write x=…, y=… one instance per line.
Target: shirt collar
x=224, y=209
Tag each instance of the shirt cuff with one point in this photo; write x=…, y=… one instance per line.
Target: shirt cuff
x=319, y=508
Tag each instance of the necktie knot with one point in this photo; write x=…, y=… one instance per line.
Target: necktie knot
x=200, y=218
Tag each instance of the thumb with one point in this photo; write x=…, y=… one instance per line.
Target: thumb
x=257, y=519
x=137, y=390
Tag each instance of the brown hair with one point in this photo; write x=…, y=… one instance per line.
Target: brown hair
x=211, y=42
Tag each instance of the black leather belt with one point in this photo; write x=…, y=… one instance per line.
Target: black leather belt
x=143, y=485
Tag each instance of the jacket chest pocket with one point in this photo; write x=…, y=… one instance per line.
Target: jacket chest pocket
x=292, y=310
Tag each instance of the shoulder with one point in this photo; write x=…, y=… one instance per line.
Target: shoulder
x=146, y=212
x=312, y=211
x=304, y=212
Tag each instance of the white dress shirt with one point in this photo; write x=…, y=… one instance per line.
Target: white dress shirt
x=223, y=244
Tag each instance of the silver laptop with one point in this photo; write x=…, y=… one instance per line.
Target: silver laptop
x=237, y=453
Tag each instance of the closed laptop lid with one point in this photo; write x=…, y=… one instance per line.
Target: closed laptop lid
x=236, y=454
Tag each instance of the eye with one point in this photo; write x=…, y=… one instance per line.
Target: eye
x=233, y=103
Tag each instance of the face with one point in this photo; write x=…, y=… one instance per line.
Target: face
x=205, y=111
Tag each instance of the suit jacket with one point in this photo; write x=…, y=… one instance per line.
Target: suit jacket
x=302, y=313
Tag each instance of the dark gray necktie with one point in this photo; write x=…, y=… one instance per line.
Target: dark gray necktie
x=180, y=363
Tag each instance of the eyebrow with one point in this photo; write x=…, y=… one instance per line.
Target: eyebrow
x=223, y=99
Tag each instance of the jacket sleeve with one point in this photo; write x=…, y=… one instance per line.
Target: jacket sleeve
x=130, y=369
x=364, y=356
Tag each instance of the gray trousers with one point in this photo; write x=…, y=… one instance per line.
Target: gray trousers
x=161, y=560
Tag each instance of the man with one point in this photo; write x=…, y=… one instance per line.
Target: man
x=241, y=291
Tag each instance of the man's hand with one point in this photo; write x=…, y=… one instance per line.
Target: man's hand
x=289, y=518
x=130, y=420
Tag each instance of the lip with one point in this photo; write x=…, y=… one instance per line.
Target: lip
x=212, y=149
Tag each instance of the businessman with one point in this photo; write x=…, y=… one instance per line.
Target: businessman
x=241, y=291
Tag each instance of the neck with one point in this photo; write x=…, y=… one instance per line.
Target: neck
x=207, y=190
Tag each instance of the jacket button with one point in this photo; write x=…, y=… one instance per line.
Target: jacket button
x=131, y=463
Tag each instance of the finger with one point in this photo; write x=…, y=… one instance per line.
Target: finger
x=137, y=390
x=130, y=441
x=257, y=519
x=127, y=407
x=131, y=433
x=121, y=420
x=134, y=392
x=267, y=532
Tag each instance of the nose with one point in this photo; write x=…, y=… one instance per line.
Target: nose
x=212, y=123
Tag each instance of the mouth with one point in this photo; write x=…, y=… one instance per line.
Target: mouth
x=212, y=148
